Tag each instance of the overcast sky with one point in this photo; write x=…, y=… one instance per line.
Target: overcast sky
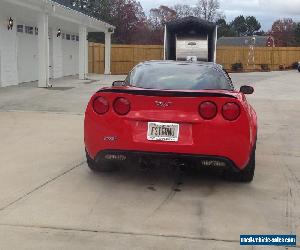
x=266, y=11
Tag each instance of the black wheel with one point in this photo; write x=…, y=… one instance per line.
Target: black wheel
x=299, y=69
x=100, y=167
x=246, y=175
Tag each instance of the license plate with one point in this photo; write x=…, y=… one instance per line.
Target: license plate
x=158, y=131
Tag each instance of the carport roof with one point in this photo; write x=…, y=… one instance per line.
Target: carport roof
x=67, y=5
x=57, y=8
x=180, y=24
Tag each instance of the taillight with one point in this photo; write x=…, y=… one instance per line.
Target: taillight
x=208, y=110
x=122, y=106
x=100, y=105
x=231, y=111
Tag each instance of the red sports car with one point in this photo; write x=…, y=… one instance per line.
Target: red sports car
x=180, y=111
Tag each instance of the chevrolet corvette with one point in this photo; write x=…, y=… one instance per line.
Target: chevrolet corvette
x=184, y=112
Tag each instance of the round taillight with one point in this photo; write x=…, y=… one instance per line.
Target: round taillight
x=231, y=111
x=208, y=110
x=100, y=105
x=121, y=106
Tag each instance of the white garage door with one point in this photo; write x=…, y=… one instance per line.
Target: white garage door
x=27, y=57
x=70, y=56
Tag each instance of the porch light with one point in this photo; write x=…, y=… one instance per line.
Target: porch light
x=58, y=32
x=10, y=24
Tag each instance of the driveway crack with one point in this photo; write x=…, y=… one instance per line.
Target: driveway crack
x=41, y=186
x=126, y=233
x=171, y=193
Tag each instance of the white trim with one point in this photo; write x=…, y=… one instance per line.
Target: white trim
x=165, y=43
x=107, y=69
x=215, y=44
x=43, y=48
x=83, y=45
x=47, y=14
x=55, y=9
x=77, y=13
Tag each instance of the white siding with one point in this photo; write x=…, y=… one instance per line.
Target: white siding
x=8, y=54
x=19, y=56
x=19, y=59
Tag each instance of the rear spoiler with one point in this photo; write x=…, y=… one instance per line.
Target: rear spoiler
x=151, y=92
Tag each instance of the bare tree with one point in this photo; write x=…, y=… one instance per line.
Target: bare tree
x=283, y=31
x=161, y=15
x=183, y=10
x=208, y=10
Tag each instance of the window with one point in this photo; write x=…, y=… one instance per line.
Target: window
x=20, y=28
x=63, y=36
x=77, y=38
x=68, y=36
x=73, y=37
x=36, y=31
x=183, y=76
x=29, y=30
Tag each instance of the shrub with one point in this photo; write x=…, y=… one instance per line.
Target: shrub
x=265, y=67
x=295, y=65
x=237, y=67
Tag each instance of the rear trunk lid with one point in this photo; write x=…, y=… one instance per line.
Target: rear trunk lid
x=168, y=105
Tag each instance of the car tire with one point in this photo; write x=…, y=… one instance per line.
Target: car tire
x=245, y=175
x=100, y=167
x=299, y=69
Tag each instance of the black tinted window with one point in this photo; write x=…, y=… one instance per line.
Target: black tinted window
x=185, y=76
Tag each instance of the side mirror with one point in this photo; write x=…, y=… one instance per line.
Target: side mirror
x=118, y=83
x=247, y=90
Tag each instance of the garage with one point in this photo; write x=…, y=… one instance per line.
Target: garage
x=42, y=40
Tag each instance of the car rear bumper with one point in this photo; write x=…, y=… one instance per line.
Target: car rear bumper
x=199, y=141
x=172, y=158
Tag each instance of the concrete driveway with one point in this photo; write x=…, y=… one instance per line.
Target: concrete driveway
x=49, y=199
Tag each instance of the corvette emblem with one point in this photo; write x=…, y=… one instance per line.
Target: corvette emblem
x=163, y=104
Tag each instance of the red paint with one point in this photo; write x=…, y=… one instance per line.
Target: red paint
x=233, y=137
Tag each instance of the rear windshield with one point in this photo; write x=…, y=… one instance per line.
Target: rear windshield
x=185, y=76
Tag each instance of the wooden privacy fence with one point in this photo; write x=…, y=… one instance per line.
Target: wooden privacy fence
x=124, y=57
x=96, y=58
x=274, y=58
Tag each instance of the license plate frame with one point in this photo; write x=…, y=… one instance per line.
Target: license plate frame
x=161, y=131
